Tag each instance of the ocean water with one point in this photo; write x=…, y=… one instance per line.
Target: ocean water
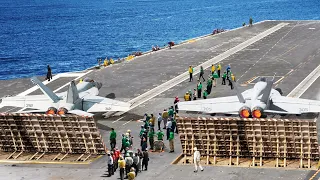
x=71, y=34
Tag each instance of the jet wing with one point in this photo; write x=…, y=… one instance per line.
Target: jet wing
x=80, y=113
x=99, y=104
x=228, y=105
x=39, y=102
x=294, y=105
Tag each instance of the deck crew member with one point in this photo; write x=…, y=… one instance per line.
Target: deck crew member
x=122, y=165
x=219, y=69
x=49, y=73
x=199, y=87
x=224, y=76
x=145, y=160
x=194, y=94
x=151, y=138
x=201, y=74
x=196, y=158
x=131, y=174
x=190, y=73
x=165, y=116
x=213, y=69
x=110, y=165
x=171, y=142
x=159, y=121
x=209, y=85
x=113, y=136
x=187, y=96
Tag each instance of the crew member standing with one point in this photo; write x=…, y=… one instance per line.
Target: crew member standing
x=113, y=136
x=165, y=117
x=213, y=69
x=159, y=121
x=176, y=108
x=228, y=69
x=196, y=158
x=190, y=73
x=151, y=138
x=199, y=89
x=201, y=74
x=194, y=94
x=145, y=160
x=110, y=165
x=224, y=76
x=171, y=142
x=49, y=73
x=250, y=22
x=209, y=85
x=219, y=69
x=122, y=166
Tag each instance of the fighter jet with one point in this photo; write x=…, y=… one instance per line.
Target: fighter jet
x=80, y=99
x=257, y=102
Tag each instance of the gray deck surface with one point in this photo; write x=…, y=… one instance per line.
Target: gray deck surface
x=291, y=52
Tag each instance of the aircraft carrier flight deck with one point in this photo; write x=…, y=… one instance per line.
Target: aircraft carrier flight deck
x=289, y=51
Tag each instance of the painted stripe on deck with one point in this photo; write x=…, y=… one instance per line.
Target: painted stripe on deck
x=305, y=84
x=34, y=88
x=184, y=76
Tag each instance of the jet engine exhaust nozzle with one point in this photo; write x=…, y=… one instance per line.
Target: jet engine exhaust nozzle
x=51, y=110
x=257, y=112
x=244, y=112
x=62, y=111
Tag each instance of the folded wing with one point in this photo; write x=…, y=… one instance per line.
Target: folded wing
x=228, y=105
x=39, y=102
x=294, y=105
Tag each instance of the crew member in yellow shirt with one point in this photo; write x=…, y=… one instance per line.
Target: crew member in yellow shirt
x=213, y=69
x=131, y=174
x=190, y=73
x=122, y=166
x=219, y=69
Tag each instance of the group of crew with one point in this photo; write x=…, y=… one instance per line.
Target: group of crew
x=168, y=117
x=211, y=81
x=155, y=48
x=130, y=163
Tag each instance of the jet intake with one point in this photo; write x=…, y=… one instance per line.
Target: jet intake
x=257, y=112
x=51, y=110
x=244, y=112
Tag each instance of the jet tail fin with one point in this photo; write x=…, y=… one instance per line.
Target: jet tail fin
x=266, y=92
x=72, y=93
x=48, y=92
x=240, y=97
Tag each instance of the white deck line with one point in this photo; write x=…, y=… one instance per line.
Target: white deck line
x=72, y=74
x=34, y=88
x=184, y=76
x=305, y=84
x=78, y=77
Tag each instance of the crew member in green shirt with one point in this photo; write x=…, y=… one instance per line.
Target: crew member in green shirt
x=171, y=141
x=113, y=136
x=199, y=87
x=160, y=135
x=123, y=142
x=151, y=139
x=224, y=76
x=205, y=94
x=209, y=85
x=171, y=111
